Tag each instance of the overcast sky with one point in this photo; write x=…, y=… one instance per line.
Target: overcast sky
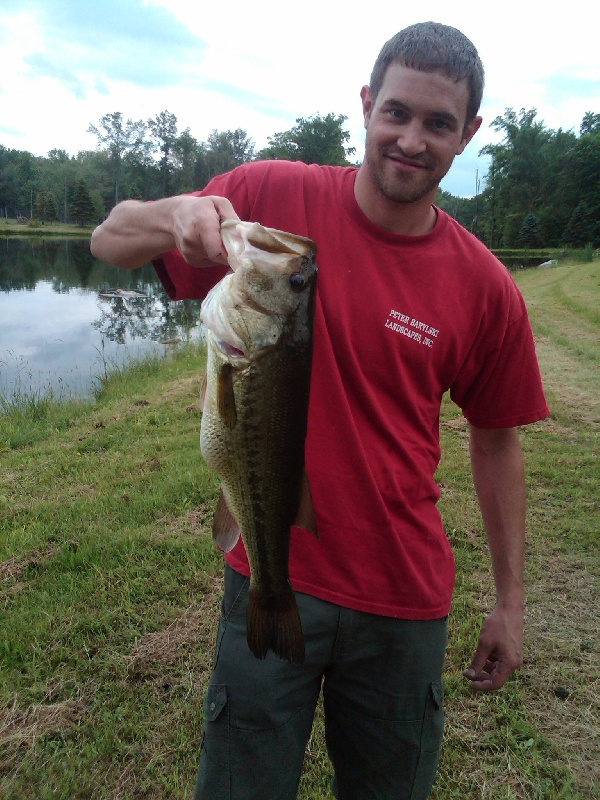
x=260, y=65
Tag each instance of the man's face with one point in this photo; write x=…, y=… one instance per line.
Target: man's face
x=414, y=128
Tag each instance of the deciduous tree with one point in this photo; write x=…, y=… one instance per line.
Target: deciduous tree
x=163, y=129
x=119, y=139
x=315, y=140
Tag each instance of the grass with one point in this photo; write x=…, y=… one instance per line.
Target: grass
x=10, y=227
x=110, y=586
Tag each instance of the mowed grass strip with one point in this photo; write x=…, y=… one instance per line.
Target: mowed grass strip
x=110, y=587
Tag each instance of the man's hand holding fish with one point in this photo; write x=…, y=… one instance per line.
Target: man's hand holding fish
x=136, y=232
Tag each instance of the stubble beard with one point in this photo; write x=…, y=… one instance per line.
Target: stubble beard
x=396, y=188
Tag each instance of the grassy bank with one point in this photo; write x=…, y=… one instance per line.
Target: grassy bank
x=110, y=586
x=10, y=227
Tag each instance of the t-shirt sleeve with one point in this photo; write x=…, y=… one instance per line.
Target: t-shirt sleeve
x=501, y=387
x=180, y=280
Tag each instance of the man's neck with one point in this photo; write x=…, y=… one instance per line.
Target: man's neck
x=410, y=219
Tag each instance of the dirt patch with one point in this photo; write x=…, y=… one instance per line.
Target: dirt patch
x=458, y=424
x=197, y=520
x=14, y=567
x=554, y=427
x=193, y=633
x=21, y=727
x=189, y=386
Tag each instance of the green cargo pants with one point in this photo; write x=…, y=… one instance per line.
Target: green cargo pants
x=382, y=695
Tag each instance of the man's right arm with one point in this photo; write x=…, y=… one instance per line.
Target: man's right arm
x=136, y=232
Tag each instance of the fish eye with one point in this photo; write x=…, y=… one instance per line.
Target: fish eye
x=297, y=282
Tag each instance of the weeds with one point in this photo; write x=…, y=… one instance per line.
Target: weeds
x=582, y=255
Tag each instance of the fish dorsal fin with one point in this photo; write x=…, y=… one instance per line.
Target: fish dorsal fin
x=226, y=396
x=225, y=529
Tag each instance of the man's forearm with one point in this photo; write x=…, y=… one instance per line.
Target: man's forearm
x=499, y=477
x=134, y=233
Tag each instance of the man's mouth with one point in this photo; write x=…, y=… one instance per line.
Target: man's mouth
x=411, y=163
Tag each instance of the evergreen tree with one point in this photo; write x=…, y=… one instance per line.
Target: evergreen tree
x=590, y=123
x=585, y=177
x=82, y=206
x=45, y=206
x=581, y=230
x=529, y=235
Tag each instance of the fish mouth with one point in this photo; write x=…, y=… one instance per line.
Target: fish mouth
x=229, y=349
x=245, y=238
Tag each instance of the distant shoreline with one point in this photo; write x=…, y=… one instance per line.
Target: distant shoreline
x=37, y=229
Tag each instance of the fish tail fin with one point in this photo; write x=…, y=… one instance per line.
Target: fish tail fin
x=275, y=626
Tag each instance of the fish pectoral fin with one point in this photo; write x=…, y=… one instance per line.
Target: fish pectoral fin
x=225, y=529
x=305, y=516
x=203, y=386
x=226, y=396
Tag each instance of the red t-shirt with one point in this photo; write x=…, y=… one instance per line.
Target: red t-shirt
x=399, y=321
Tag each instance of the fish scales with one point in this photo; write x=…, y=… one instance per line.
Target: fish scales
x=255, y=414
x=241, y=458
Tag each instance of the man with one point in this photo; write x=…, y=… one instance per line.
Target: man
x=409, y=306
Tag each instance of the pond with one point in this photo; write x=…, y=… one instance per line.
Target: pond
x=66, y=319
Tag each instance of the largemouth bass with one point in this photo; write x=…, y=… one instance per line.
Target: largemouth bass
x=259, y=322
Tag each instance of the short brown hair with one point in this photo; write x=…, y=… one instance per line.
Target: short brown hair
x=433, y=47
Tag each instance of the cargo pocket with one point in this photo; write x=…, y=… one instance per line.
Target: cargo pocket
x=214, y=780
x=214, y=702
x=215, y=741
x=431, y=742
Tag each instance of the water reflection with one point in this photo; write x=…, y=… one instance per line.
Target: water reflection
x=60, y=331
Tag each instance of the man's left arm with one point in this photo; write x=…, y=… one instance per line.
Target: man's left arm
x=499, y=478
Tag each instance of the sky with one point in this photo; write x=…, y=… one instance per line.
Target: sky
x=260, y=65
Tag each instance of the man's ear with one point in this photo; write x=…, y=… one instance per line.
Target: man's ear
x=469, y=133
x=367, y=104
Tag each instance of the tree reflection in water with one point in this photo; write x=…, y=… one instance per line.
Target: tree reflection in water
x=152, y=317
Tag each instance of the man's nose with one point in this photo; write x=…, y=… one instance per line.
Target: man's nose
x=411, y=139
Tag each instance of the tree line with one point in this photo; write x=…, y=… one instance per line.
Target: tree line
x=147, y=160
x=542, y=188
